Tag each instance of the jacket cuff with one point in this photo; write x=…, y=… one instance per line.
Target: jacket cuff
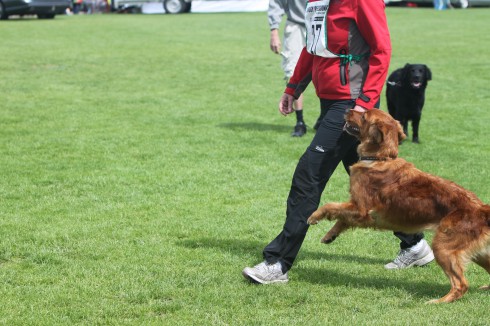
x=290, y=89
x=365, y=102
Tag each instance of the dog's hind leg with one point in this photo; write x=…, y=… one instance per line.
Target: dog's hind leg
x=453, y=267
x=484, y=262
x=452, y=261
x=483, y=259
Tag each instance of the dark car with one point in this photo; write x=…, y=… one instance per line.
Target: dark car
x=44, y=9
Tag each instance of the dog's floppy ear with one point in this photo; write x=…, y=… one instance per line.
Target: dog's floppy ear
x=375, y=133
x=428, y=73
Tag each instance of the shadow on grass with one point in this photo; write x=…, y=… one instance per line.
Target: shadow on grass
x=236, y=126
x=417, y=288
x=246, y=248
x=424, y=289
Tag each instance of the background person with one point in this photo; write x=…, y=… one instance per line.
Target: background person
x=348, y=72
x=293, y=42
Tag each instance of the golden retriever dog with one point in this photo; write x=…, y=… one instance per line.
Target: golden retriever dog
x=389, y=193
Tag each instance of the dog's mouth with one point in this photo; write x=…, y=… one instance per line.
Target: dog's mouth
x=416, y=84
x=352, y=129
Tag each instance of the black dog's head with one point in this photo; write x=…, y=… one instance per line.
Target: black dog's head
x=416, y=75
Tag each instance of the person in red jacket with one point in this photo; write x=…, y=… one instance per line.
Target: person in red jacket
x=347, y=56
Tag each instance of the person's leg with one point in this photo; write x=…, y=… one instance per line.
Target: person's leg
x=414, y=251
x=300, y=127
x=319, y=120
x=408, y=240
x=310, y=177
x=312, y=173
x=293, y=43
x=351, y=157
x=298, y=108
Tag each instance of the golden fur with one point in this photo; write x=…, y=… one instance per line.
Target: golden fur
x=390, y=193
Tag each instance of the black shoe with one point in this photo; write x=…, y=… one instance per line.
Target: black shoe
x=299, y=129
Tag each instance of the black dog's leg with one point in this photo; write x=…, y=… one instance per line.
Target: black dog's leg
x=404, y=123
x=415, y=129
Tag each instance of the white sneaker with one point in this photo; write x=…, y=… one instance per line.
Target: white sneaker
x=265, y=273
x=419, y=255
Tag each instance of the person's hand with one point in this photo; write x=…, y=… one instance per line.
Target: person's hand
x=275, y=41
x=286, y=104
x=359, y=108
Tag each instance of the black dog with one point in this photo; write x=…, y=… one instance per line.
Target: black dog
x=405, y=95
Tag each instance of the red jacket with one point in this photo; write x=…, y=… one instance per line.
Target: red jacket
x=353, y=27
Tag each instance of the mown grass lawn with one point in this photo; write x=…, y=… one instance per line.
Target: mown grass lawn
x=144, y=164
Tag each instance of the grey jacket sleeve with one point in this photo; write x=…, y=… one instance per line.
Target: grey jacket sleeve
x=275, y=13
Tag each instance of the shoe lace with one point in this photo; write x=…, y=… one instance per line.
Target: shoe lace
x=402, y=255
x=269, y=268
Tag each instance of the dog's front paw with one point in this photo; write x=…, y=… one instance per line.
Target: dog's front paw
x=314, y=218
x=328, y=238
x=334, y=232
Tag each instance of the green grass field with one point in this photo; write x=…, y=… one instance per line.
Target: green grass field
x=144, y=164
